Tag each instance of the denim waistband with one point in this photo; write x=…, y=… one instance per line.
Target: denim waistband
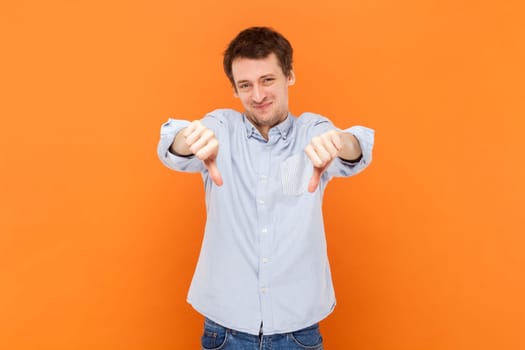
x=214, y=324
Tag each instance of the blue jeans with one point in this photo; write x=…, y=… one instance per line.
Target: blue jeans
x=217, y=337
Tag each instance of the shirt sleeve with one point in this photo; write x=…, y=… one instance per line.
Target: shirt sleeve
x=341, y=167
x=215, y=121
x=168, y=131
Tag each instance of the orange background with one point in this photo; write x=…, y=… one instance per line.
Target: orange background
x=98, y=241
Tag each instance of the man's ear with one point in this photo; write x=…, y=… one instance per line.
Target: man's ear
x=291, y=78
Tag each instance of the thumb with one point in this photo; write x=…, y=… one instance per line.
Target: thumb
x=215, y=175
x=314, y=180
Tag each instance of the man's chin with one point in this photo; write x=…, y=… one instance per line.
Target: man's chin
x=260, y=118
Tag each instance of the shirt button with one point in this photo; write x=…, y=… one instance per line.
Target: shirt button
x=265, y=260
x=264, y=290
x=264, y=230
x=261, y=201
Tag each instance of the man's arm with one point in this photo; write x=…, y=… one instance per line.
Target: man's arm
x=179, y=146
x=351, y=149
x=323, y=149
x=198, y=140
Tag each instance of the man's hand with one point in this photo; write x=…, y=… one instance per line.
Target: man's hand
x=324, y=148
x=321, y=151
x=200, y=141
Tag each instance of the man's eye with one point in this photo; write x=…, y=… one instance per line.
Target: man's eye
x=243, y=86
x=268, y=80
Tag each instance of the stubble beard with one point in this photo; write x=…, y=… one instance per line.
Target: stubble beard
x=276, y=119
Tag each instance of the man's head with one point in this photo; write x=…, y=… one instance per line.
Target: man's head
x=258, y=43
x=258, y=63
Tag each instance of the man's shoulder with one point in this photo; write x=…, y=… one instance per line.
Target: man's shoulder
x=310, y=119
x=225, y=114
x=223, y=118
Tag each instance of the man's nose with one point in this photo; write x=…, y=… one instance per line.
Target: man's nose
x=258, y=94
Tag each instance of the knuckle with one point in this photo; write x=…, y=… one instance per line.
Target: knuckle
x=194, y=149
x=202, y=154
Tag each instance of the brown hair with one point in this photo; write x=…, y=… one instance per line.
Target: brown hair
x=258, y=42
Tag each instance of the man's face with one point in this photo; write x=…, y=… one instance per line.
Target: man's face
x=262, y=87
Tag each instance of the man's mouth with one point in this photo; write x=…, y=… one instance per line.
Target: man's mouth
x=262, y=106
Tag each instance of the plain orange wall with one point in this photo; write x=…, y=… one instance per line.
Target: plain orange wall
x=426, y=246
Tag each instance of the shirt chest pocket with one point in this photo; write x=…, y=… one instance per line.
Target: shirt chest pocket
x=296, y=172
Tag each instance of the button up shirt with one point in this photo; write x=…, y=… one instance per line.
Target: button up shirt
x=263, y=259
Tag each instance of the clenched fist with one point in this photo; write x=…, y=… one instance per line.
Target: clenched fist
x=199, y=140
x=324, y=148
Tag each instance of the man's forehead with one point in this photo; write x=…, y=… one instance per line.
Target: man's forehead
x=244, y=68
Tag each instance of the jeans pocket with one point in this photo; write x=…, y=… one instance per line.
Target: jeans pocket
x=295, y=174
x=214, y=336
x=308, y=338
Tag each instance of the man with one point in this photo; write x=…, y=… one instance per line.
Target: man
x=263, y=278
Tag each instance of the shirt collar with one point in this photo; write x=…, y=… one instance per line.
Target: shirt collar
x=282, y=128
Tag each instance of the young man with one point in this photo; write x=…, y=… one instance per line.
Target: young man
x=263, y=277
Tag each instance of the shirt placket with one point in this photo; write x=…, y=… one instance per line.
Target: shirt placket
x=265, y=234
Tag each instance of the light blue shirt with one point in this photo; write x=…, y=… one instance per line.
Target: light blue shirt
x=263, y=258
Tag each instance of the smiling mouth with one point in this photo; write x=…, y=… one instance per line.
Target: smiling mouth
x=263, y=105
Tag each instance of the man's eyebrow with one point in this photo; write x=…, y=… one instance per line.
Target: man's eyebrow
x=269, y=75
